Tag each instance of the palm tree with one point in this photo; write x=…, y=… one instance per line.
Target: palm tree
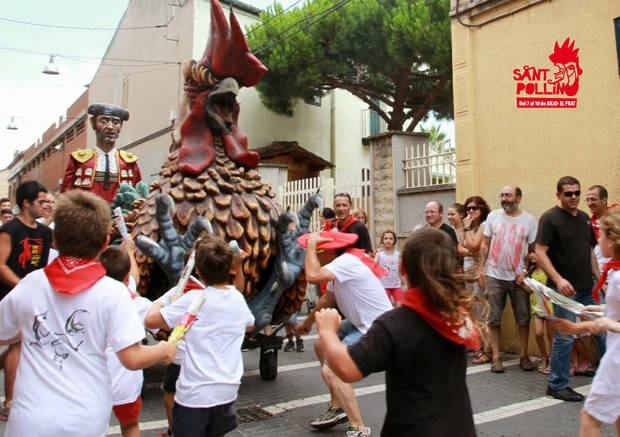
x=437, y=139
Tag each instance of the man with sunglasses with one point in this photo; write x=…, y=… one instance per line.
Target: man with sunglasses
x=102, y=169
x=508, y=233
x=564, y=250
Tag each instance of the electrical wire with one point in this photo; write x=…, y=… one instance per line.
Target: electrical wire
x=271, y=18
x=55, y=26
x=324, y=13
x=309, y=17
x=78, y=58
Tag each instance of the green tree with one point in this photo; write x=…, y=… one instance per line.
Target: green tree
x=438, y=140
x=395, y=55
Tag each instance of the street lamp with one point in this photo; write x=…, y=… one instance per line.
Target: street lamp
x=50, y=68
x=12, y=125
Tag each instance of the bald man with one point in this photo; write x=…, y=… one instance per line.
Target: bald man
x=508, y=234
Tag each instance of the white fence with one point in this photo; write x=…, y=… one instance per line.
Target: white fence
x=425, y=167
x=294, y=194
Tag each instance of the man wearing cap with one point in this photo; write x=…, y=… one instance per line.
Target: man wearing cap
x=354, y=286
x=103, y=169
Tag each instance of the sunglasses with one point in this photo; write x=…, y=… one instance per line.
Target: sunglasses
x=572, y=193
x=473, y=208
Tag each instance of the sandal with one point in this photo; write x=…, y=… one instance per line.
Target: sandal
x=4, y=414
x=497, y=366
x=543, y=367
x=482, y=358
x=584, y=369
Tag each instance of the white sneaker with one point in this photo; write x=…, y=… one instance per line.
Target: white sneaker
x=355, y=431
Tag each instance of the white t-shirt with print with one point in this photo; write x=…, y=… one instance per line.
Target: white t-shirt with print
x=360, y=295
x=212, y=364
x=390, y=262
x=510, y=237
x=63, y=385
x=127, y=384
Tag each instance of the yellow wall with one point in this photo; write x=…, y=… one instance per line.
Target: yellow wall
x=497, y=142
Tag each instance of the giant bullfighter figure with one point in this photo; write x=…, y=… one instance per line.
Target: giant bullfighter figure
x=103, y=168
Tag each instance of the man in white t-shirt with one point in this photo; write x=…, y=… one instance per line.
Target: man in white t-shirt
x=212, y=364
x=361, y=298
x=66, y=315
x=508, y=234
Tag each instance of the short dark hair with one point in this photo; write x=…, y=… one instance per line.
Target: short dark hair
x=328, y=213
x=29, y=191
x=602, y=191
x=116, y=262
x=566, y=180
x=5, y=199
x=347, y=195
x=6, y=211
x=81, y=224
x=213, y=260
x=439, y=206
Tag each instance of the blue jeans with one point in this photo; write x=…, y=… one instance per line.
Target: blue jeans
x=348, y=333
x=562, y=344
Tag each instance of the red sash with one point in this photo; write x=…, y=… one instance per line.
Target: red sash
x=329, y=225
x=368, y=261
x=464, y=333
x=614, y=264
x=71, y=275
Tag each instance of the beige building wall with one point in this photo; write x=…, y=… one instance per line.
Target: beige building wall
x=151, y=92
x=499, y=143
x=4, y=182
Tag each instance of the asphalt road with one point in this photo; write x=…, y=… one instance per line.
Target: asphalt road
x=508, y=404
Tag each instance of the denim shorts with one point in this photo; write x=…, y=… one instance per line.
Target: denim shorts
x=348, y=333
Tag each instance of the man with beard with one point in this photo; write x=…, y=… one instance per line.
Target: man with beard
x=507, y=235
x=103, y=169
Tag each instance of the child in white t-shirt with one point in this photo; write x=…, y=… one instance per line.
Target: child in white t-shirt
x=212, y=365
x=66, y=315
x=389, y=258
x=126, y=384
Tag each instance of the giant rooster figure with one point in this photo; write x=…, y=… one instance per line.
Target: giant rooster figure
x=210, y=181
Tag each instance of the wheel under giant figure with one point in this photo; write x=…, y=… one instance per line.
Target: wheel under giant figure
x=209, y=181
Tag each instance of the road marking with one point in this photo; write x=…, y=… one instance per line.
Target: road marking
x=479, y=418
x=313, y=400
x=521, y=407
x=144, y=426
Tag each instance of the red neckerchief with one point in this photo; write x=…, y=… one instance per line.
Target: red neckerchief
x=193, y=284
x=465, y=333
x=72, y=275
x=614, y=264
x=329, y=225
x=594, y=220
x=368, y=261
x=132, y=294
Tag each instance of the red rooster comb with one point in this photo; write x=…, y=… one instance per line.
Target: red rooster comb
x=565, y=54
x=227, y=53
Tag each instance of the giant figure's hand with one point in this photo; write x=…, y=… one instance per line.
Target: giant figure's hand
x=169, y=251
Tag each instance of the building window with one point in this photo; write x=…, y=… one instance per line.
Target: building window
x=314, y=100
x=79, y=127
x=69, y=135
